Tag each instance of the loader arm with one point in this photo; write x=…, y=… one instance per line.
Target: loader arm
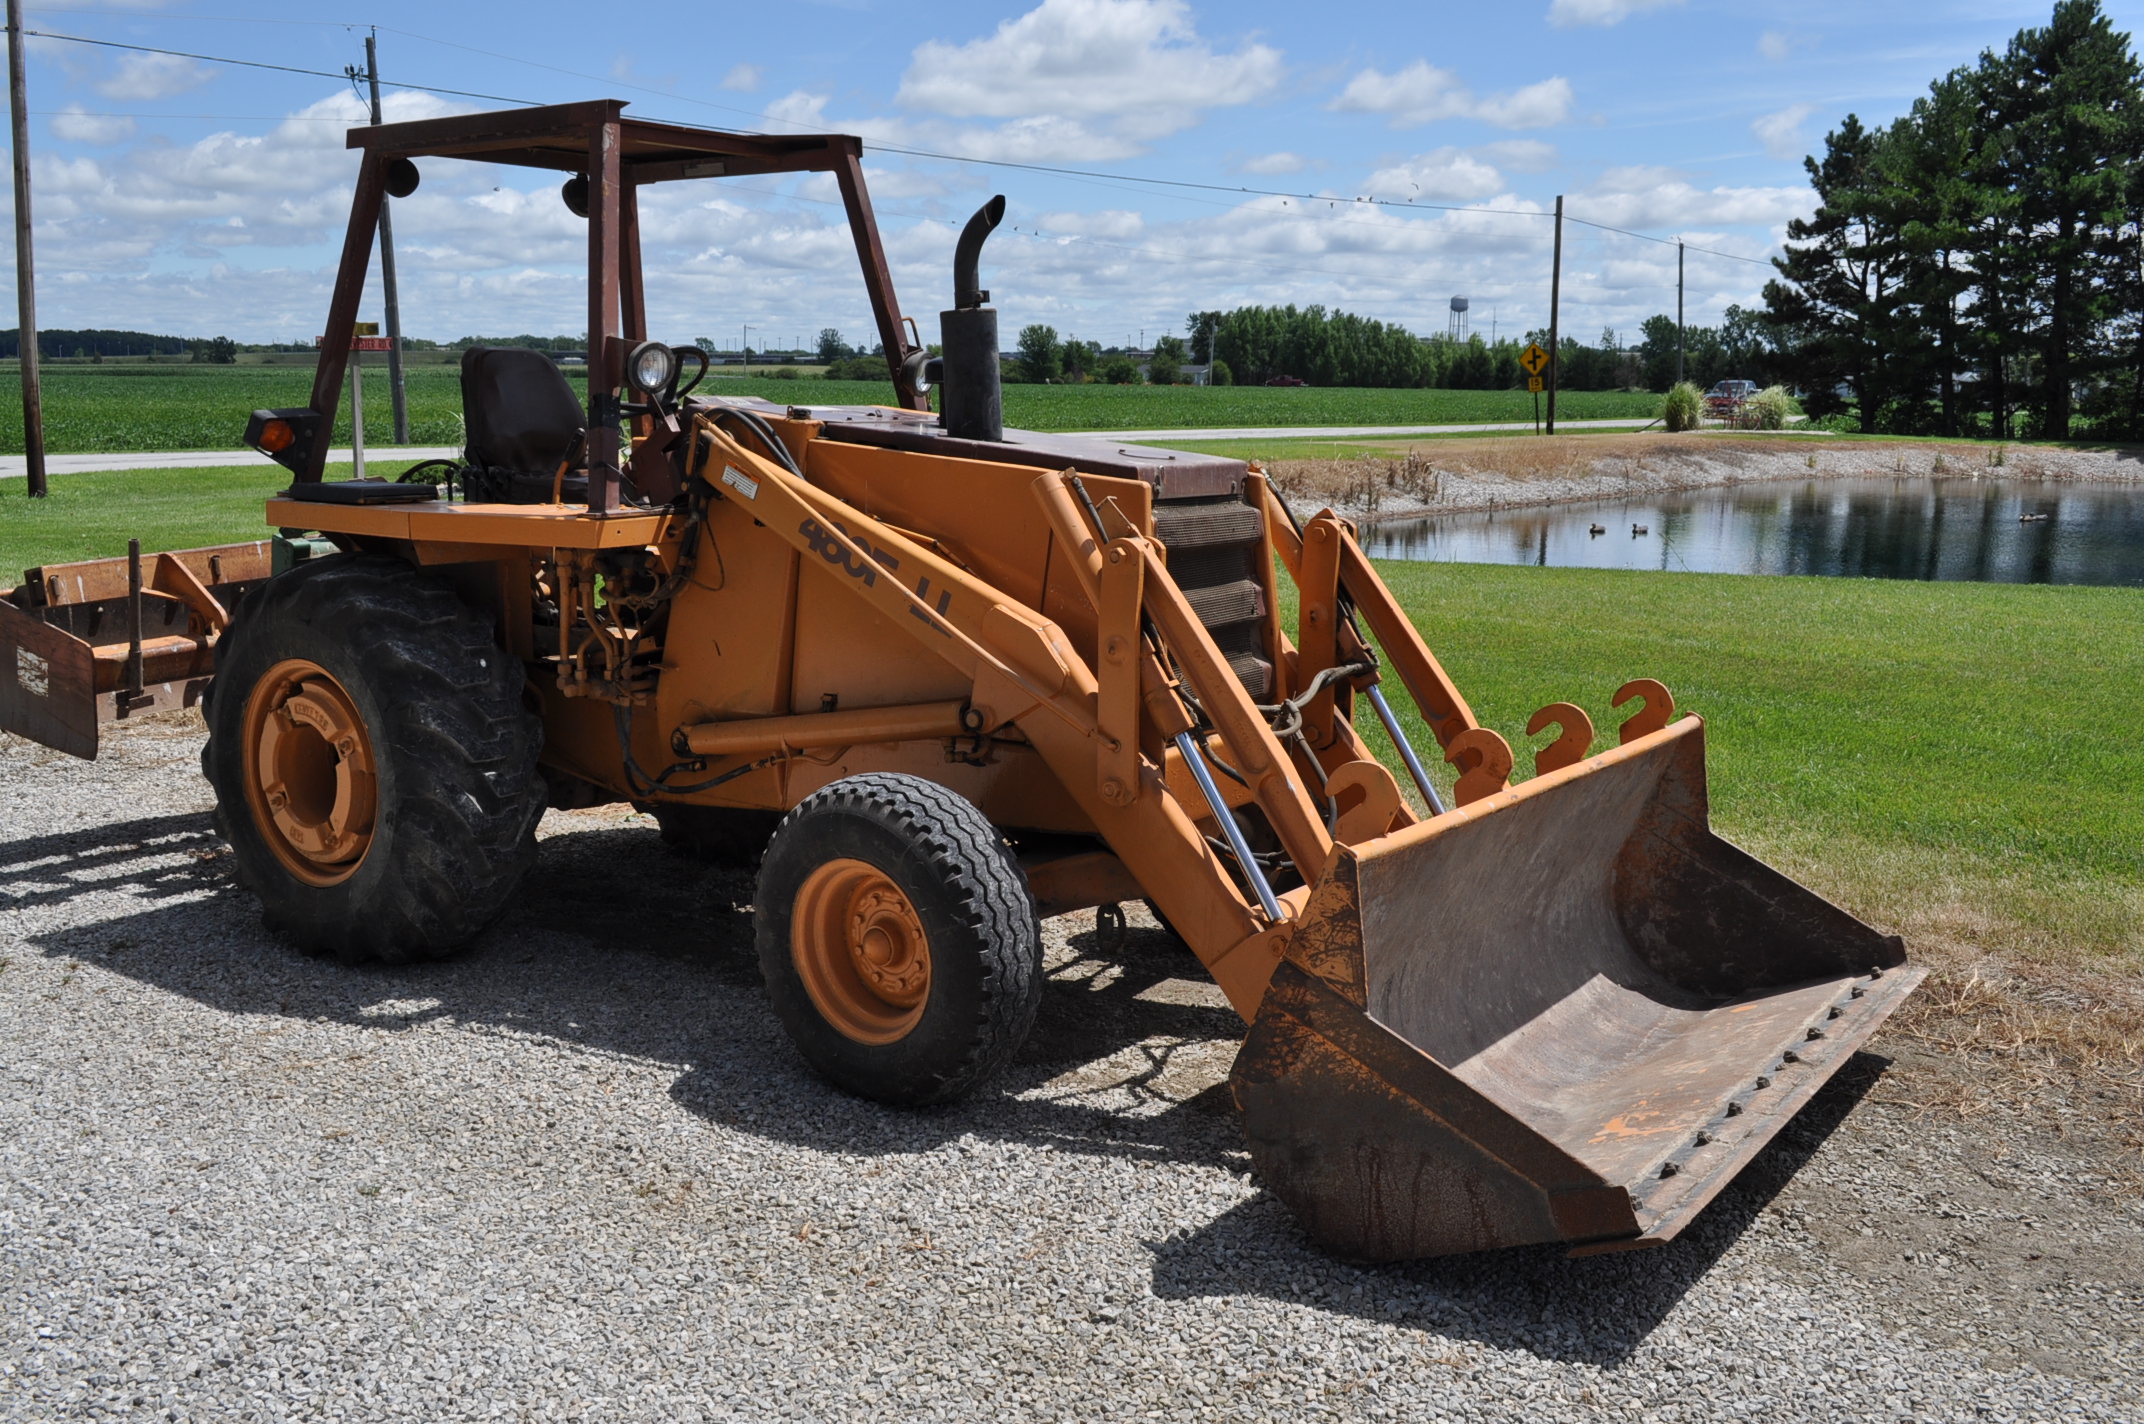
x=1024, y=673
x=1566, y=1011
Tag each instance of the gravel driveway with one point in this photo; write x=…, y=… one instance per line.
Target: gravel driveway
x=576, y=1173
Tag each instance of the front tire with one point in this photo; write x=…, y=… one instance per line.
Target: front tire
x=374, y=767
x=898, y=939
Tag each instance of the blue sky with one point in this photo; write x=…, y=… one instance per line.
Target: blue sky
x=181, y=196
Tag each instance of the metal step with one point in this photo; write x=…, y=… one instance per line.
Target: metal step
x=1188, y=525
x=1239, y=602
x=1212, y=555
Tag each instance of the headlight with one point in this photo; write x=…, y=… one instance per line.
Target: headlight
x=651, y=367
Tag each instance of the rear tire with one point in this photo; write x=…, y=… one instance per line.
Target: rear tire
x=374, y=765
x=898, y=939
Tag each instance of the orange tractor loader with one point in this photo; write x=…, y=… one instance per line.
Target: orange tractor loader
x=944, y=679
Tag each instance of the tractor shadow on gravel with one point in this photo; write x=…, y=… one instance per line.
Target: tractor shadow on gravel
x=618, y=947
x=154, y=858
x=1595, y=1310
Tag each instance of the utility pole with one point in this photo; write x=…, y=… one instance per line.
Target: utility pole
x=33, y=401
x=395, y=386
x=1555, y=301
x=1678, y=311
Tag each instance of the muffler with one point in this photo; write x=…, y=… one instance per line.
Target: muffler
x=972, y=406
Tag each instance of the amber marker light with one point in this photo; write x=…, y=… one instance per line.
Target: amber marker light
x=276, y=435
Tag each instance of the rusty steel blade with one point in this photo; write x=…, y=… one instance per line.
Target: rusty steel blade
x=48, y=684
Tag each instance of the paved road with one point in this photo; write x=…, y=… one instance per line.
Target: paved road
x=12, y=466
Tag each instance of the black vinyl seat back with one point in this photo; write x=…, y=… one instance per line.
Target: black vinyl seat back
x=522, y=420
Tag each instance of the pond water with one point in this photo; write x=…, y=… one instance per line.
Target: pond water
x=1909, y=527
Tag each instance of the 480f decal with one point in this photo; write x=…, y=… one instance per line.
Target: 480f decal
x=865, y=562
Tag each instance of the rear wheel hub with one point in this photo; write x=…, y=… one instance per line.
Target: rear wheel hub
x=311, y=780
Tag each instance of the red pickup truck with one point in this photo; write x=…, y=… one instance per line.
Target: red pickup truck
x=1724, y=400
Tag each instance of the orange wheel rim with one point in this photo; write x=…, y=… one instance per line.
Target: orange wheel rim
x=311, y=781
x=861, y=951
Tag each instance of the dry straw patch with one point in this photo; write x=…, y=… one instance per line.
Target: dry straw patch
x=2066, y=1048
x=1441, y=476
x=2035, y=1000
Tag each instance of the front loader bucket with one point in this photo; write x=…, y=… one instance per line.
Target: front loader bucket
x=1568, y=1012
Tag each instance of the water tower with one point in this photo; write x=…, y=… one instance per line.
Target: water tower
x=1456, y=328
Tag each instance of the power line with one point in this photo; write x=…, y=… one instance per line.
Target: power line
x=1117, y=178
x=279, y=68
x=205, y=118
x=216, y=19
x=1091, y=175
x=1672, y=242
x=1230, y=188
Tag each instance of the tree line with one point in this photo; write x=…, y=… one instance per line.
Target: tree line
x=1318, y=347
x=96, y=344
x=1975, y=267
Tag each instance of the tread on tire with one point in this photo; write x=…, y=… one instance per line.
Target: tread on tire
x=458, y=794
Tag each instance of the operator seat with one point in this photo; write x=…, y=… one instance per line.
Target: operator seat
x=523, y=420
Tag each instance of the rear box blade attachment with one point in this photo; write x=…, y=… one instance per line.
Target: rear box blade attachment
x=92, y=642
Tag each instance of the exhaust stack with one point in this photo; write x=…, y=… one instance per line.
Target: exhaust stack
x=973, y=407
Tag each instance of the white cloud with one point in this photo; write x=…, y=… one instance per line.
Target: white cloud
x=1136, y=65
x=99, y=130
x=1422, y=94
x=1115, y=223
x=1520, y=155
x=802, y=109
x=1662, y=200
x=1042, y=139
x=742, y=78
x=1566, y=13
x=1774, y=45
x=1447, y=173
x=236, y=233
x=1781, y=133
x=1272, y=164
x=154, y=76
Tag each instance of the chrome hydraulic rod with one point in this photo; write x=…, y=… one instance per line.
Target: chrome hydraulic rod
x=1406, y=750
x=1196, y=763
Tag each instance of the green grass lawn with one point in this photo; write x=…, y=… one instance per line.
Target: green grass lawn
x=1946, y=758
x=118, y=407
x=93, y=516
x=1949, y=759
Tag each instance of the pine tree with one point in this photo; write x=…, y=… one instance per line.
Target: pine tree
x=2073, y=164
